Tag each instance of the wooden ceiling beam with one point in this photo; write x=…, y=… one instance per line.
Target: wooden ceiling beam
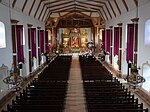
x=98, y=6
x=45, y=11
x=24, y=5
x=103, y=3
x=37, y=8
x=48, y=15
x=63, y=10
x=108, y=11
x=125, y=5
x=59, y=14
x=112, y=8
x=85, y=15
x=43, y=0
x=77, y=12
x=89, y=8
x=90, y=14
x=104, y=7
x=41, y=11
x=101, y=14
x=136, y=2
x=96, y=1
x=14, y=3
x=105, y=13
x=117, y=6
x=72, y=8
x=43, y=16
x=60, y=4
x=51, y=10
x=65, y=15
x=32, y=7
x=51, y=2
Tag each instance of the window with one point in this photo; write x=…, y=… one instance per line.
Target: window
x=2, y=35
x=23, y=36
x=147, y=32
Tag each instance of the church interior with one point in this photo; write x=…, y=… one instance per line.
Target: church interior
x=74, y=55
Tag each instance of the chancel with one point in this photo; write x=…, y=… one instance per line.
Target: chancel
x=74, y=55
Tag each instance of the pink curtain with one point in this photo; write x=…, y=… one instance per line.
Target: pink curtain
x=19, y=35
x=108, y=37
x=42, y=43
x=103, y=39
x=46, y=41
x=116, y=41
x=33, y=41
x=130, y=42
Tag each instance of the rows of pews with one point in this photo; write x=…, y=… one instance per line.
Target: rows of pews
x=47, y=93
x=104, y=93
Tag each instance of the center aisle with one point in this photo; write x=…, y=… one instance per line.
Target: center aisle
x=75, y=101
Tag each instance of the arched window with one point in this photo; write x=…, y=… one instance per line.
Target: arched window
x=2, y=35
x=147, y=32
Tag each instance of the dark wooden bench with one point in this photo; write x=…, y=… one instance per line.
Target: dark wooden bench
x=34, y=107
x=117, y=110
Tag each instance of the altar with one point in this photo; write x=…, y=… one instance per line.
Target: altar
x=74, y=41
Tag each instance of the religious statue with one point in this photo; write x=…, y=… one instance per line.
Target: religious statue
x=75, y=42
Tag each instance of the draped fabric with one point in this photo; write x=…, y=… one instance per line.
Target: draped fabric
x=103, y=39
x=19, y=35
x=130, y=42
x=46, y=41
x=116, y=41
x=108, y=37
x=42, y=43
x=33, y=41
x=111, y=30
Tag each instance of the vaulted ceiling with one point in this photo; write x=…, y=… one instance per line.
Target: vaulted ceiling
x=44, y=10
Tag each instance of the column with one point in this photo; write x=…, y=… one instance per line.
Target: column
x=120, y=45
x=111, y=46
x=135, y=22
x=29, y=46
x=39, y=48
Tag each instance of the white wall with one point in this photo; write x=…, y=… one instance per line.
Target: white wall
x=144, y=54
x=125, y=19
x=143, y=50
x=6, y=53
x=24, y=20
